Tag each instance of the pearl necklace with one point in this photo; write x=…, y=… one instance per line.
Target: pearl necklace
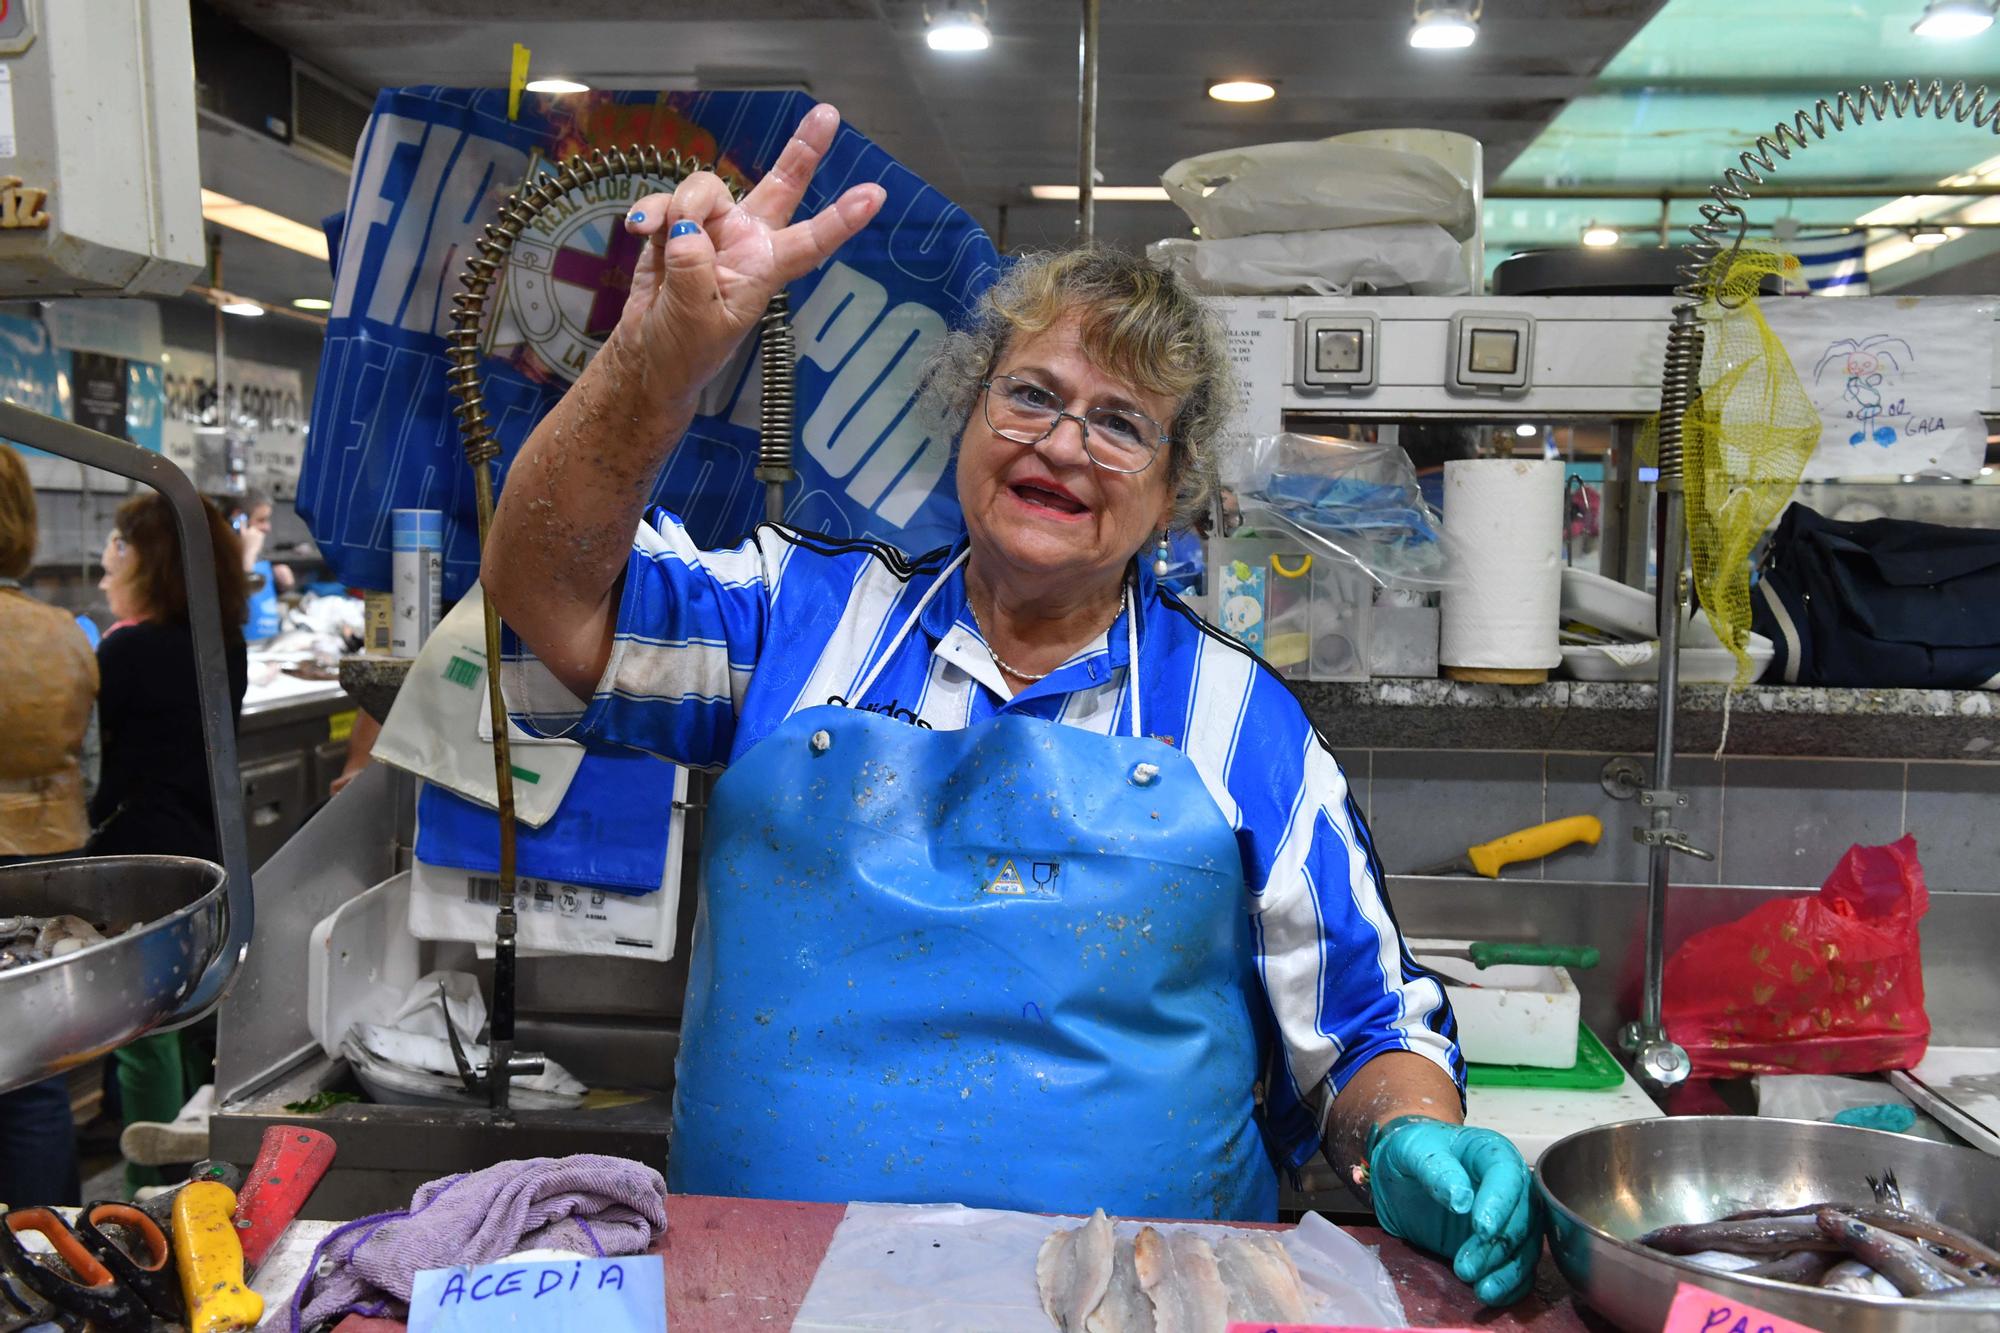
x=1015, y=671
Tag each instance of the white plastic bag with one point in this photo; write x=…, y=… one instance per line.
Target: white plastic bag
x=1314, y=185
x=440, y=728
x=1421, y=257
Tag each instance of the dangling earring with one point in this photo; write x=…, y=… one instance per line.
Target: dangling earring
x=1160, y=564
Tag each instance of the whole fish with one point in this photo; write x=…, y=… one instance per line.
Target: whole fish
x=1914, y=1270
x=1805, y=1267
x=1764, y=1235
x=1854, y=1276
x=1961, y=1248
x=1887, y=1192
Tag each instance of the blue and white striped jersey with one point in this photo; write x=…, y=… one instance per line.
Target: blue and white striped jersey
x=714, y=649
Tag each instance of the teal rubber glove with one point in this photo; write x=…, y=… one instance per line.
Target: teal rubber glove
x=1896, y=1117
x=1465, y=1195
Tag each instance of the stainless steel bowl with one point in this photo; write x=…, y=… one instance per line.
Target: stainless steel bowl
x=67, y=1010
x=1606, y=1185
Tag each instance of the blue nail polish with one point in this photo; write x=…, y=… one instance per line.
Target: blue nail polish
x=684, y=228
x=636, y=215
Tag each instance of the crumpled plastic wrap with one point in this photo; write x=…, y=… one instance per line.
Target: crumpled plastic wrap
x=1350, y=501
x=902, y=1266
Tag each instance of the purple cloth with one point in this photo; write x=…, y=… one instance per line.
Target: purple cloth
x=586, y=1204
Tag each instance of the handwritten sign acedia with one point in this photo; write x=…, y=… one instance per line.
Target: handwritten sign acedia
x=605, y=1295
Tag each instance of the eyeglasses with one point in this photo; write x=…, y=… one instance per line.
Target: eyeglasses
x=1117, y=439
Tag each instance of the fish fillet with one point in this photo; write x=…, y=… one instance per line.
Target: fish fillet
x=1125, y=1308
x=1180, y=1276
x=1073, y=1269
x=1262, y=1280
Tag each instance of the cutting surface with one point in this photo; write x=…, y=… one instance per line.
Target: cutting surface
x=735, y=1264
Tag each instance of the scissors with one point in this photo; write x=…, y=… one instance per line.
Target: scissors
x=115, y=1269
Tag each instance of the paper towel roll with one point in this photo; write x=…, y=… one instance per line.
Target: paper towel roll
x=1504, y=519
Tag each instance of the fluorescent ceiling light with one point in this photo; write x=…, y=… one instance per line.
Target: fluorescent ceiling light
x=263, y=224
x=1929, y=236
x=1445, y=25
x=1242, y=90
x=242, y=308
x=1524, y=430
x=957, y=25
x=1598, y=238
x=1110, y=194
x=557, y=86
x=311, y=303
x=1954, y=20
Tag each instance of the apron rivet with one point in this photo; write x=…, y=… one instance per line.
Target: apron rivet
x=822, y=741
x=1145, y=775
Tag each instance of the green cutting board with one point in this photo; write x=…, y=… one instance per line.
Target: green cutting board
x=1595, y=1068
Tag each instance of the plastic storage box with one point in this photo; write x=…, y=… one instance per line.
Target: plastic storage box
x=1308, y=615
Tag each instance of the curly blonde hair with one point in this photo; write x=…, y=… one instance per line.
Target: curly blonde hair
x=1140, y=323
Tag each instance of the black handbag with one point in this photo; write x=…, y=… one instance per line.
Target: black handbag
x=1884, y=603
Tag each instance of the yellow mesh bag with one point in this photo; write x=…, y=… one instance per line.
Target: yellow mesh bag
x=1745, y=441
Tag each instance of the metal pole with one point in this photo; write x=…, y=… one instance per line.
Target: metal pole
x=1659, y=856
x=1086, y=125
x=1666, y=220
x=221, y=378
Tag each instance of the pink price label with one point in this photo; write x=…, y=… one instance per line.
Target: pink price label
x=1697, y=1311
x=1240, y=1327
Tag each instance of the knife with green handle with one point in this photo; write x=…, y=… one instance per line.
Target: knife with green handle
x=1497, y=953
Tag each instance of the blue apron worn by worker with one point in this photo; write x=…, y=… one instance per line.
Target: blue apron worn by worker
x=1006, y=966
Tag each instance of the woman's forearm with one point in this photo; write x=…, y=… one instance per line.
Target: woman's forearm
x=1393, y=1084
x=573, y=498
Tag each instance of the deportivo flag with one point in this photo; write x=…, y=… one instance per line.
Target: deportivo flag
x=431, y=170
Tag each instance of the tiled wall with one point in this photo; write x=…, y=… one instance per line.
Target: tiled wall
x=1769, y=821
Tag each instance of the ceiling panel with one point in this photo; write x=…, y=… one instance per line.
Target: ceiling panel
x=983, y=128
x=1701, y=81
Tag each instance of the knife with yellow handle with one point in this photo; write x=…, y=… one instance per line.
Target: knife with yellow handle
x=210, y=1260
x=1529, y=844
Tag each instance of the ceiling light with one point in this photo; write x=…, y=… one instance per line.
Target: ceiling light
x=263, y=224
x=1104, y=194
x=242, y=308
x=311, y=303
x=957, y=25
x=1929, y=236
x=1242, y=90
x=1445, y=25
x=1598, y=238
x=1524, y=430
x=556, y=86
x=1953, y=20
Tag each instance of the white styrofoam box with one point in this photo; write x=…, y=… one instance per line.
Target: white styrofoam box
x=1508, y=1015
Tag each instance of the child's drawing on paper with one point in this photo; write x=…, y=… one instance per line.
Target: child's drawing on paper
x=1872, y=369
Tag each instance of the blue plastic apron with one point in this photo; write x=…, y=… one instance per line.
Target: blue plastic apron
x=1005, y=966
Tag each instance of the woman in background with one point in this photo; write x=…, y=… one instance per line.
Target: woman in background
x=249, y=517
x=154, y=795
x=48, y=680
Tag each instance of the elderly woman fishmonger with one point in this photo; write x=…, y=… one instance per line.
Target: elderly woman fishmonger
x=1022, y=887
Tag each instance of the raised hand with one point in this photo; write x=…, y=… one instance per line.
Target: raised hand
x=714, y=263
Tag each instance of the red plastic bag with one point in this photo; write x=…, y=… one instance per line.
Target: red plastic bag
x=1827, y=984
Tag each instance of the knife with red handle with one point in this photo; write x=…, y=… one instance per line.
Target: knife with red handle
x=290, y=1162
